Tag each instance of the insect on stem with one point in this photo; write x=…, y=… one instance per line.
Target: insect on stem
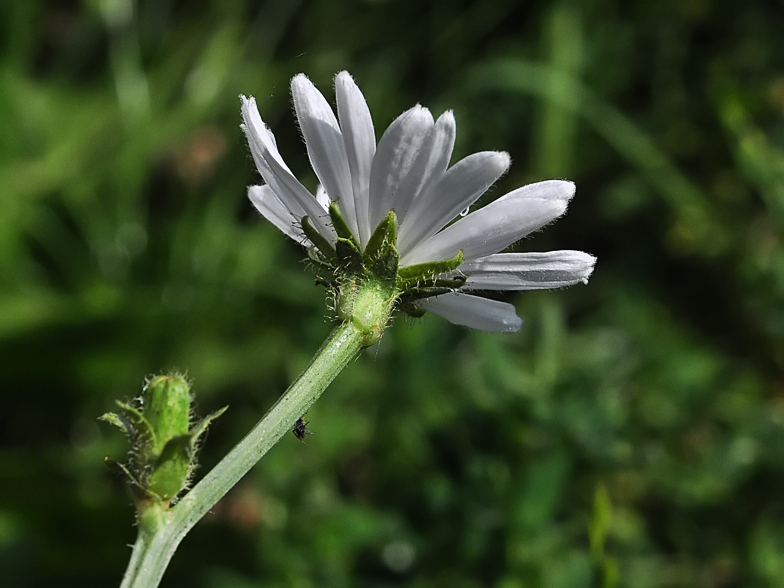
x=301, y=429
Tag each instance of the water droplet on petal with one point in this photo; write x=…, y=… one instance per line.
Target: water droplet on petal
x=465, y=212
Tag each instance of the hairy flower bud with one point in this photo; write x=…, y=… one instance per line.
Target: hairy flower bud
x=164, y=444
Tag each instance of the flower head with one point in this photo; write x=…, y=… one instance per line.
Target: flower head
x=384, y=210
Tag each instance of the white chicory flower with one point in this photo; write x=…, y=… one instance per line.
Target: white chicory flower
x=408, y=172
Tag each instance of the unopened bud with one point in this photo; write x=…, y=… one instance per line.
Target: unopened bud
x=163, y=442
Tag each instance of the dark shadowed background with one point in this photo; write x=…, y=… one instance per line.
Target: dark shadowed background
x=631, y=434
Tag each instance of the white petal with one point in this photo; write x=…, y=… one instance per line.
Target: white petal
x=497, y=225
x=324, y=141
x=359, y=138
x=430, y=164
x=528, y=271
x=458, y=188
x=250, y=114
x=322, y=197
x=267, y=203
x=474, y=312
x=287, y=188
x=396, y=152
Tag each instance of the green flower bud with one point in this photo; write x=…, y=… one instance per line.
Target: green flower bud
x=167, y=407
x=164, y=445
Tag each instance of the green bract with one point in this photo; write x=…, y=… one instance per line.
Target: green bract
x=367, y=285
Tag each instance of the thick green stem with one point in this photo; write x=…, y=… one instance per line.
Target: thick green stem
x=157, y=542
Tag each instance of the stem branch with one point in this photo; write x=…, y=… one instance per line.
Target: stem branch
x=155, y=547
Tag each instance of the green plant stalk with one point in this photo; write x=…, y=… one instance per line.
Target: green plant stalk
x=161, y=530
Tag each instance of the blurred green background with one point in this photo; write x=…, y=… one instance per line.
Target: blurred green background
x=632, y=434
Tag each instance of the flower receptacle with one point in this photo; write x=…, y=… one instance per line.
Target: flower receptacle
x=368, y=306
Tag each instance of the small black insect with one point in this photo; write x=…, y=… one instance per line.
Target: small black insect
x=301, y=429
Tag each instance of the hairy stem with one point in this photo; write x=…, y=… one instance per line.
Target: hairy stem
x=157, y=542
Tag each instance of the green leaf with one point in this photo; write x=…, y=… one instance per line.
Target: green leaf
x=411, y=276
x=349, y=254
x=384, y=267
x=120, y=468
x=384, y=237
x=118, y=421
x=172, y=468
x=339, y=224
x=201, y=427
x=424, y=292
x=142, y=430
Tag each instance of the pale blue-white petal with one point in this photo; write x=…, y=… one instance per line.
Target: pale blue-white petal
x=250, y=114
x=324, y=141
x=396, y=152
x=287, y=188
x=359, y=138
x=458, y=188
x=429, y=166
x=474, y=312
x=268, y=204
x=497, y=225
x=322, y=197
x=528, y=271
